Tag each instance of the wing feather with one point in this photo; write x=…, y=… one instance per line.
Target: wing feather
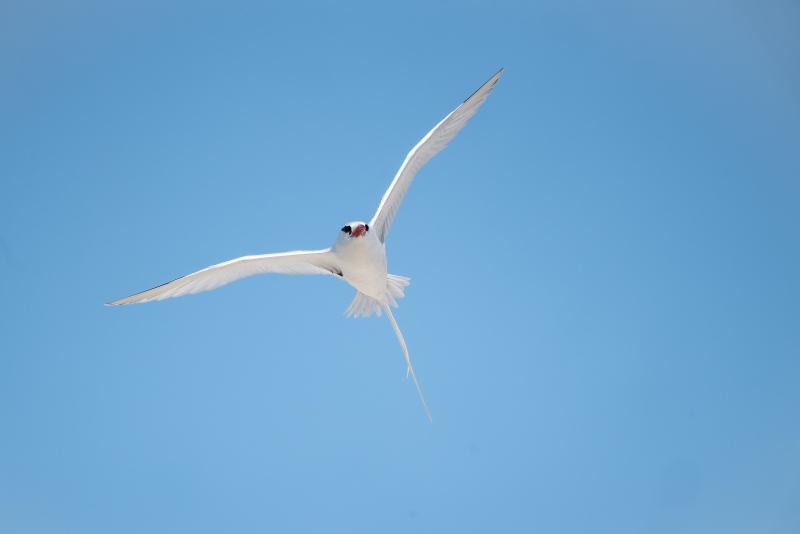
x=433, y=143
x=297, y=262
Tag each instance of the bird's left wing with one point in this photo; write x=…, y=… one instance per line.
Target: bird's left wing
x=297, y=262
x=433, y=143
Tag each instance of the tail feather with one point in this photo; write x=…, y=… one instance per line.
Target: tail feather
x=364, y=305
x=408, y=360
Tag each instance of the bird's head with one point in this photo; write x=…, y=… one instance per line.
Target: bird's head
x=354, y=230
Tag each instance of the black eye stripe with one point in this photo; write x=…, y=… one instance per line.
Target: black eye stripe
x=347, y=229
x=366, y=226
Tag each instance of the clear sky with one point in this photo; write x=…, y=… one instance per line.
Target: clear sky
x=604, y=313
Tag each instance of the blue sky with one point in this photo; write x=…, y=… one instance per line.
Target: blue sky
x=603, y=313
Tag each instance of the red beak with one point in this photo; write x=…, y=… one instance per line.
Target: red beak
x=359, y=230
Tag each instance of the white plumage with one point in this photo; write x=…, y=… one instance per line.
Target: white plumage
x=358, y=256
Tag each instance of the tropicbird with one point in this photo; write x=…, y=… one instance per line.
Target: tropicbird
x=358, y=256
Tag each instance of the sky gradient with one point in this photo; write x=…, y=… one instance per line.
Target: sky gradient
x=604, y=310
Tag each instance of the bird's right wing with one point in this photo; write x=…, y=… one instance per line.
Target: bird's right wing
x=433, y=143
x=297, y=262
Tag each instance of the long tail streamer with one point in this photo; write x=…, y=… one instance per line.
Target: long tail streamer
x=408, y=360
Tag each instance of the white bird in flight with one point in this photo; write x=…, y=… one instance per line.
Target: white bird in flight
x=358, y=256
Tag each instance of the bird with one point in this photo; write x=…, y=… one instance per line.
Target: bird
x=358, y=256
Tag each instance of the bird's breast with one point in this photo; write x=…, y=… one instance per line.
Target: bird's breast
x=363, y=265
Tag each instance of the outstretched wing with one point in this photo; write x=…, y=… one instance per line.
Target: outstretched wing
x=297, y=262
x=433, y=143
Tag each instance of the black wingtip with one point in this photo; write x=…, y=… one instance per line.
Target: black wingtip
x=495, y=77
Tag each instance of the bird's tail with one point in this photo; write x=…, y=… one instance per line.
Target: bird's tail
x=408, y=360
x=365, y=305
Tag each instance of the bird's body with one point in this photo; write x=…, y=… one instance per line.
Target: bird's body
x=358, y=256
x=362, y=261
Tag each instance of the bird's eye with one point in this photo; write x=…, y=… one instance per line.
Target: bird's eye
x=347, y=229
x=366, y=227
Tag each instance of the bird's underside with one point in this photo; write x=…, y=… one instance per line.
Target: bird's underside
x=358, y=256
